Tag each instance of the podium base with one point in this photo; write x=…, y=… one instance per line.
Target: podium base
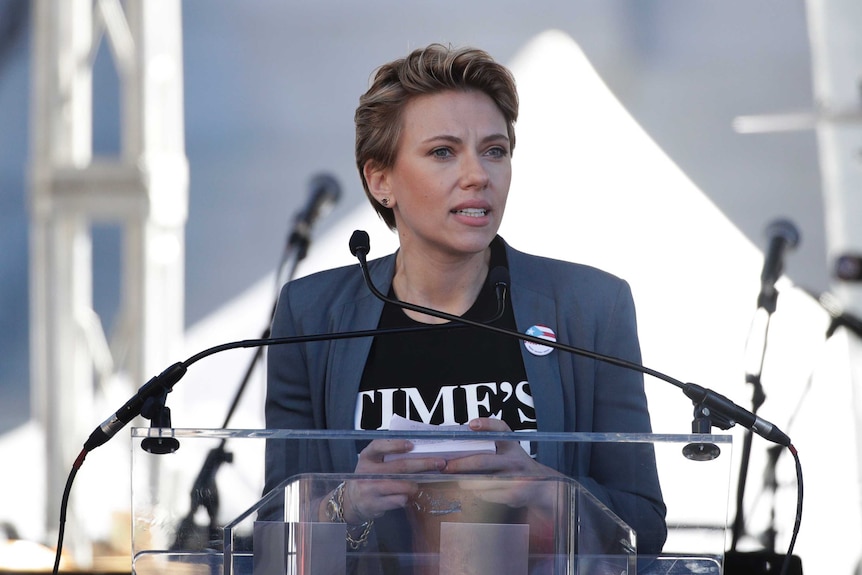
x=759, y=563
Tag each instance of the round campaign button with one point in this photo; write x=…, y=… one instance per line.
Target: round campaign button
x=543, y=332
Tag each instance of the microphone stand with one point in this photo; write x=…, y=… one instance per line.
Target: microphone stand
x=767, y=303
x=204, y=491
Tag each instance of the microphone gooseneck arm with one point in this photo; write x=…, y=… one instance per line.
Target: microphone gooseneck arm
x=163, y=383
x=360, y=250
x=360, y=246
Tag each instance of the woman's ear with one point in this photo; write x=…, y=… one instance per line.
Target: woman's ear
x=378, y=183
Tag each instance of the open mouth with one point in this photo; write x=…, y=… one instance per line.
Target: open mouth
x=471, y=212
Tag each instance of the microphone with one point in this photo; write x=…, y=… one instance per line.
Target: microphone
x=730, y=412
x=158, y=386
x=735, y=414
x=499, y=278
x=325, y=193
x=783, y=236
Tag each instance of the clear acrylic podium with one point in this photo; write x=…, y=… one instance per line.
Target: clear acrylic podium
x=199, y=510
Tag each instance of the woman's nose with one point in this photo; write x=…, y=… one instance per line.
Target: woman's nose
x=474, y=174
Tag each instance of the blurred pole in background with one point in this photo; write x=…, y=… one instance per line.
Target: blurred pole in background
x=144, y=190
x=836, y=55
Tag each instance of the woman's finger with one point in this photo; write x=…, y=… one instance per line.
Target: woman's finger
x=379, y=448
x=367, y=499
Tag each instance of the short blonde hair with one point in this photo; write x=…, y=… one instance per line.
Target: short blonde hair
x=435, y=68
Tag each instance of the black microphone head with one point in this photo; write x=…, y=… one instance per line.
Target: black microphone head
x=327, y=186
x=783, y=229
x=498, y=276
x=325, y=193
x=783, y=236
x=360, y=243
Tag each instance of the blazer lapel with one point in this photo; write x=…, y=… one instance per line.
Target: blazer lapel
x=543, y=371
x=349, y=356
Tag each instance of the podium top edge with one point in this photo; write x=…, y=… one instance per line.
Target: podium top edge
x=308, y=434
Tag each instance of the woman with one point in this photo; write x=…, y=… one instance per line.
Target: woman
x=434, y=141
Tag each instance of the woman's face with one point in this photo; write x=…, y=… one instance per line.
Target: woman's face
x=449, y=184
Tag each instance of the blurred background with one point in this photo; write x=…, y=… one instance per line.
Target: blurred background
x=639, y=151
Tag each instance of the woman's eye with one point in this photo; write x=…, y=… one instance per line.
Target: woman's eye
x=441, y=152
x=498, y=152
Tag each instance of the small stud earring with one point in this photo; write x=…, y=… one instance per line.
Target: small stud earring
x=385, y=202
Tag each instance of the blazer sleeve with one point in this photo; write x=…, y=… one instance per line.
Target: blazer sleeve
x=290, y=400
x=624, y=476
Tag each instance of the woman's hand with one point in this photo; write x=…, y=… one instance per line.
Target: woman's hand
x=510, y=460
x=367, y=499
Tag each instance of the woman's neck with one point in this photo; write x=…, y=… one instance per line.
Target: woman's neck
x=450, y=286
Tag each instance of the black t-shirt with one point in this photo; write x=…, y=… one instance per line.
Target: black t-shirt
x=448, y=375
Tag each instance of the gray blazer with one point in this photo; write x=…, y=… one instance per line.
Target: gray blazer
x=315, y=385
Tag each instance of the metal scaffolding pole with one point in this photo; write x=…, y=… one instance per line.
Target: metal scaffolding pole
x=836, y=48
x=144, y=190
